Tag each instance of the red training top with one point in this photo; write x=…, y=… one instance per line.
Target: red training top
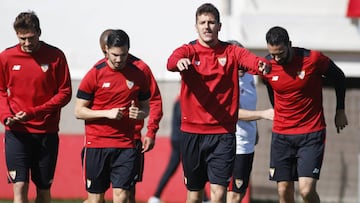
x=209, y=88
x=106, y=89
x=37, y=83
x=298, y=92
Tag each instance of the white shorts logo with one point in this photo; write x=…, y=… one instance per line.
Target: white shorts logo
x=239, y=183
x=316, y=170
x=271, y=172
x=12, y=174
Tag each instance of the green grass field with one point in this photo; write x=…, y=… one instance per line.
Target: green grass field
x=80, y=201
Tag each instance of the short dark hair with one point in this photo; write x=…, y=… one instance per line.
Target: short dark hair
x=277, y=35
x=118, y=38
x=208, y=8
x=27, y=21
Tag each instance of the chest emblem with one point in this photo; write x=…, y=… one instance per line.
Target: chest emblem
x=44, y=67
x=105, y=85
x=16, y=67
x=301, y=74
x=275, y=78
x=222, y=61
x=197, y=63
x=130, y=84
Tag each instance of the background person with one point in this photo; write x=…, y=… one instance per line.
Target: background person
x=246, y=135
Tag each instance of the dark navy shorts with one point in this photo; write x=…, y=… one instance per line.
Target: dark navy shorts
x=207, y=157
x=294, y=156
x=109, y=165
x=34, y=154
x=241, y=174
x=139, y=163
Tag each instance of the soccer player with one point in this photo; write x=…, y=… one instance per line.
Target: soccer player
x=298, y=134
x=154, y=118
x=112, y=98
x=34, y=85
x=209, y=104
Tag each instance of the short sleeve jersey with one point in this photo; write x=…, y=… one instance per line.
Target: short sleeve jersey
x=106, y=89
x=298, y=92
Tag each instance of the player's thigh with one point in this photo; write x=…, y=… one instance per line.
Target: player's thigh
x=283, y=165
x=221, y=159
x=123, y=171
x=97, y=169
x=241, y=173
x=44, y=160
x=194, y=167
x=311, y=153
x=17, y=155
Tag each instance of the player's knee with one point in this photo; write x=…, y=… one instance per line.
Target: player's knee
x=194, y=196
x=285, y=189
x=120, y=195
x=233, y=197
x=217, y=193
x=43, y=196
x=307, y=192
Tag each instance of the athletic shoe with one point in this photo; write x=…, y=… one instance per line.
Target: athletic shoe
x=154, y=200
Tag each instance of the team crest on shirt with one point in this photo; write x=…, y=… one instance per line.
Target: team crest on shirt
x=44, y=67
x=130, y=84
x=271, y=172
x=222, y=61
x=12, y=174
x=238, y=183
x=88, y=183
x=197, y=63
x=301, y=74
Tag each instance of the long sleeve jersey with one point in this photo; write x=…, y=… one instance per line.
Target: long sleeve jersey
x=37, y=83
x=209, y=88
x=155, y=102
